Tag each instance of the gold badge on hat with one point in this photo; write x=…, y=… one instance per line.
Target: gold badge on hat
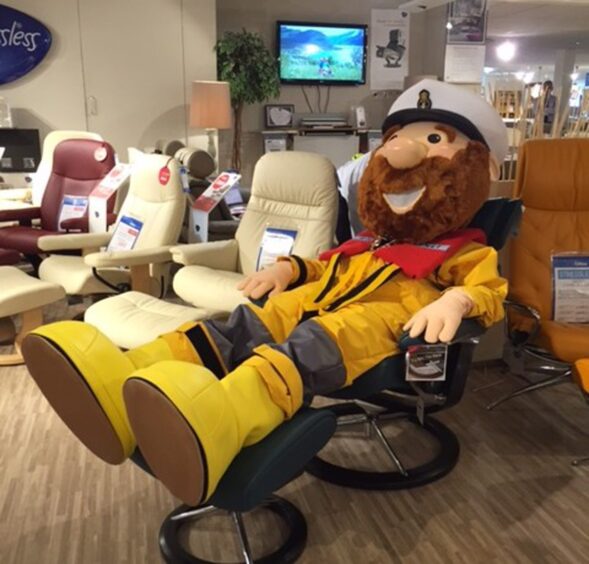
x=424, y=102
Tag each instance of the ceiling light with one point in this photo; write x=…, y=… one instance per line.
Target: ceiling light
x=488, y=70
x=528, y=77
x=449, y=26
x=506, y=51
x=574, y=76
x=520, y=75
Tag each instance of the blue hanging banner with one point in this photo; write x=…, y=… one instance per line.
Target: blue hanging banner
x=24, y=42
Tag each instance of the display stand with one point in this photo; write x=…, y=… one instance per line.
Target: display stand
x=284, y=140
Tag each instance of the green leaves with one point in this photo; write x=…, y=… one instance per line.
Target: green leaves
x=251, y=70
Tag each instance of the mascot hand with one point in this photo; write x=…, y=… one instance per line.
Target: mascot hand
x=274, y=279
x=440, y=319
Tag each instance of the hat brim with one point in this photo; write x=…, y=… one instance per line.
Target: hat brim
x=412, y=115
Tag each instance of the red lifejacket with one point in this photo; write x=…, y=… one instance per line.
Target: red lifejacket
x=416, y=261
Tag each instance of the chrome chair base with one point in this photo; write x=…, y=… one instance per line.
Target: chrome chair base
x=533, y=386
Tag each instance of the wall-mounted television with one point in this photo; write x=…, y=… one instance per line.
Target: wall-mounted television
x=319, y=53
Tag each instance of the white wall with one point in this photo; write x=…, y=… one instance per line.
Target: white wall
x=141, y=71
x=52, y=95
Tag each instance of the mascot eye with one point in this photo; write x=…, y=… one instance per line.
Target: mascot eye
x=434, y=138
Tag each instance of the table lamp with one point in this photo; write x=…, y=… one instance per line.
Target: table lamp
x=210, y=109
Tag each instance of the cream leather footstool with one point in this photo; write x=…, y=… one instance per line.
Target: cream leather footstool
x=133, y=318
x=22, y=295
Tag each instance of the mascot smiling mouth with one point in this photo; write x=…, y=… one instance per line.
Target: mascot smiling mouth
x=416, y=205
x=405, y=201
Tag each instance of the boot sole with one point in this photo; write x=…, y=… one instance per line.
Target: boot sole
x=167, y=441
x=72, y=398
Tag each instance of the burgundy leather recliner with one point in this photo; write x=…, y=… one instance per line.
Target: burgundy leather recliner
x=78, y=166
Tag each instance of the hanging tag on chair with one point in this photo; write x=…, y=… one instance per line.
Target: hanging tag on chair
x=164, y=175
x=426, y=363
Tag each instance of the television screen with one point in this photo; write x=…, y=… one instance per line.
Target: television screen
x=321, y=53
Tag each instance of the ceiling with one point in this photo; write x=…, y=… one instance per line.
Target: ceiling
x=539, y=29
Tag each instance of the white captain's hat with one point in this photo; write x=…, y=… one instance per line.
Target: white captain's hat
x=469, y=113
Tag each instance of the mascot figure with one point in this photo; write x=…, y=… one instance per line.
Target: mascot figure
x=193, y=398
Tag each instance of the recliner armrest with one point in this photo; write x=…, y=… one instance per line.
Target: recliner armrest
x=73, y=242
x=136, y=257
x=219, y=255
x=22, y=215
x=469, y=329
x=82, y=223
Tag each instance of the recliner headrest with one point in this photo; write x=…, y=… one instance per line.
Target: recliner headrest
x=553, y=174
x=279, y=176
x=83, y=159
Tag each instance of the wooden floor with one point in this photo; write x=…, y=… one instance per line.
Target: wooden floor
x=513, y=497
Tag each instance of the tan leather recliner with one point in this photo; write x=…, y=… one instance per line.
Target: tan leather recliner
x=552, y=180
x=158, y=205
x=290, y=190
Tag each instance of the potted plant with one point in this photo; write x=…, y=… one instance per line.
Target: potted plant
x=251, y=71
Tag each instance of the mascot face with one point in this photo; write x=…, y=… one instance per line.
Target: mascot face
x=425, y=180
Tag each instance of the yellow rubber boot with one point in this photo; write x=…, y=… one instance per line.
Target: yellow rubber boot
x=81, y=373
x=190, y=425
x=171, y=346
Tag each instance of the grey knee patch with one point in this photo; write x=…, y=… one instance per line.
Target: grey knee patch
x=239, y=335
x=317, y=358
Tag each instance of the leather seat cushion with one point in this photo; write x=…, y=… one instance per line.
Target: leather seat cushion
x=22, y=239
x=133, y=318
x=209, y=288
x=21, y=292
x=566, y=341
x=8, y=256
x=76, y=277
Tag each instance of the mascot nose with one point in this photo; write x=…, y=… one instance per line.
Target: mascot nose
x=402, y=152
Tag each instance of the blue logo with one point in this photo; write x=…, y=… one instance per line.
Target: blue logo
x=24, y=42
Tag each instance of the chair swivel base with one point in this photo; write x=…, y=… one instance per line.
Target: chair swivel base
x=174, y=552
x=437, y=467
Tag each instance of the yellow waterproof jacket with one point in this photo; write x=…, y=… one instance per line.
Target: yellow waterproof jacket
x=343, y=280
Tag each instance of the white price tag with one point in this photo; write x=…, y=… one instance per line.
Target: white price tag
x=126, y=234
x=72, y=207
x=426, y=363
x=275, y=243
x=570, y=288
x=99, y=197
x=209, y=199
x=184, y=179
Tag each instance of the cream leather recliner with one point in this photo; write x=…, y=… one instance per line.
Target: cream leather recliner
x=159, y=207
x=291, y=190
x=43, y=173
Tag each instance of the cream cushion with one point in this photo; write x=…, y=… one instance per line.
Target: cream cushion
x=210, y=288
x=133, y=319
x=76, y=276
x=21, y=292
x=290, y=190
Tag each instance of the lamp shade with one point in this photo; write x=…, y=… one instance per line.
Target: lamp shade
x=210, y=106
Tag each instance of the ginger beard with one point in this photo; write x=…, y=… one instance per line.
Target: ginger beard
x=454, y=190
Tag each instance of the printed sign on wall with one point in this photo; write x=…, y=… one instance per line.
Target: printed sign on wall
x=389, y=49
x=24, y=42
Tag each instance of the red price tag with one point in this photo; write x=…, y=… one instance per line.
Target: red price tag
x=164, y=175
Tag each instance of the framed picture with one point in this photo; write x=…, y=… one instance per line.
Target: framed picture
x=467, y=21
x=279, y=116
